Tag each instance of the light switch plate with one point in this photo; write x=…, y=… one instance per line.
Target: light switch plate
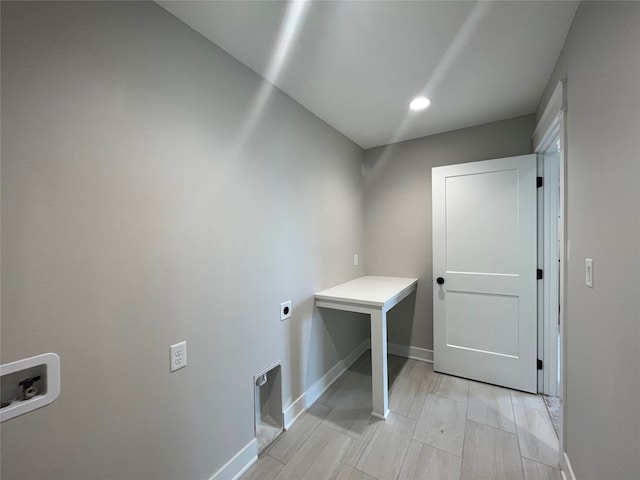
x=588, y=272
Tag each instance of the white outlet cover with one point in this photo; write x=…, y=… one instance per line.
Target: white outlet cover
x=178, y=356
x=285, y=310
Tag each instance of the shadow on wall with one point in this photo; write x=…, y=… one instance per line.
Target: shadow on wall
x=336, y=343
x=400, y=320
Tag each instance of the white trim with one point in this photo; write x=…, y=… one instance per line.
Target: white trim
x=552, y=127
x=239, y=463
x=407, y=351
x=550, y=285
x=567, y=470
x=314, y=392
x=549, y=116
x=297, y=408
x=541, y=228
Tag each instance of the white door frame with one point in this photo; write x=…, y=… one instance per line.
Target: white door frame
x=551, y=128
x=550, y=290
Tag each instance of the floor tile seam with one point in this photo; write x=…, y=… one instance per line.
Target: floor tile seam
x=404, y=458
x=514, y=434
x=517, y=434
x=414, y=426
x=301, y=444
x=330, y=426
x=466, y=404
x=547, y=414
x=424, y=401
x=544, y=412
x=464, y=434
x=549, y=423
x=272, y=457
x=495, y=428
x=325, y=404
x=330, y=407
x=438, y=448
x=556, y=466
x=419, y=383
x=400, y=415
x=356, y=458
x=351, y=463
x=413, y=421
x=464, y=440
x=498, y=430
x=361, y=471
x=406, y=416
x=515, y=422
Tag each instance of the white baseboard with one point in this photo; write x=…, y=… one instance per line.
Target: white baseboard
x=240, y=463
x=567, y=470
x=414, y=353
x=246, y=457
x=314, y=392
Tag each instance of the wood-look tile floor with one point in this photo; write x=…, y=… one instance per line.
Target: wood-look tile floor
x=440, y=427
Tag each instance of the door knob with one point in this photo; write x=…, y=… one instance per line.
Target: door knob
x=440, y=280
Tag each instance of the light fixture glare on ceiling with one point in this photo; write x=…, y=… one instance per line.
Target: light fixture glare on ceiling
x=419, y=103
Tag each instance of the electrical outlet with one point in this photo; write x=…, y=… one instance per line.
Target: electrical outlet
x=178, y=356
x=285, y=310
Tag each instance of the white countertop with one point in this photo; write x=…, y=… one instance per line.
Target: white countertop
x=370, y=290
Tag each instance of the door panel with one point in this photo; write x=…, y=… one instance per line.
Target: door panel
x=494, y=250
x=493, y=312
x=484, y=247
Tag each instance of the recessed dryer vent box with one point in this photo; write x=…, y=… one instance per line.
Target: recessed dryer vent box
x=29, y=384
x=268, y=405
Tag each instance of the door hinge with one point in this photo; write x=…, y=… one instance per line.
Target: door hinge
x=539, y=274
x=539, y=364
x=539, y=182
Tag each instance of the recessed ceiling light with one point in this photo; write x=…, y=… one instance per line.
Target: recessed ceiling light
x=419, y=103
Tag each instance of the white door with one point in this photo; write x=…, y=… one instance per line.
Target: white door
x=484, y=271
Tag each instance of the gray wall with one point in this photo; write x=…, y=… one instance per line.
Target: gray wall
x=133, y=218
x=601, y=63
x=398, y=209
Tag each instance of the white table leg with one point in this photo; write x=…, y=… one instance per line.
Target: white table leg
x=379, y=364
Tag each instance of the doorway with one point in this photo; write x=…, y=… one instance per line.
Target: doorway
x=549, y=263
x=549, y=142
x=484, y=258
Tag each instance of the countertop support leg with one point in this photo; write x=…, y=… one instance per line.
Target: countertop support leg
x=379, y=379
